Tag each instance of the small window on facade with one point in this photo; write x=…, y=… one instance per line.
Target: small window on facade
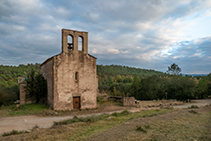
x=76, y=76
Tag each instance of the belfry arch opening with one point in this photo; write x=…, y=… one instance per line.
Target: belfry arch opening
x=80, y=43
x=70, y=42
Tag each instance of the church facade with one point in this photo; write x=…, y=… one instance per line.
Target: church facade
x=71, y=76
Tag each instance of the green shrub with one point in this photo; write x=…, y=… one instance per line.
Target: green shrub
x=36, y=87
x=99, y=100
x=125, y=112
x=147, y=126
x=139, y=128
x=82, y=119
x=194, y=106
x=193, y=112
x=14, y=132
x=8, y=94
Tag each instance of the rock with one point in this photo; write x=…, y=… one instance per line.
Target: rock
x=127, y=123
x=109, y=118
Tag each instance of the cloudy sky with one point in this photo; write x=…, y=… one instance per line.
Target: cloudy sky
x=150, y=34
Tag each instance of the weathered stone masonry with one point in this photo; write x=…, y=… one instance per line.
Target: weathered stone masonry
x=71, y=75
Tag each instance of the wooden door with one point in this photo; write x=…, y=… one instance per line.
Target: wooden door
x=76, y=102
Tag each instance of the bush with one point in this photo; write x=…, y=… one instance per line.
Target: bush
x=194, y=106
x=76, y=119
x=8, y=94
x=139, y=128
x=193, y=112
x=14, y=132
x=125, y=112
x=36, y=87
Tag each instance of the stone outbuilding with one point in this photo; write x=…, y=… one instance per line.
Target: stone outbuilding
x=71, y=76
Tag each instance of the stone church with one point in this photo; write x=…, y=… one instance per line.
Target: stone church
x=71, y=76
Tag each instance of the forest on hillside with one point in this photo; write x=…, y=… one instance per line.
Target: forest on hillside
x=118, y=80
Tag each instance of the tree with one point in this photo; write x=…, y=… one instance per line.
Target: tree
x=36, y=87
x=181, y=88
x=202, y=88
x=174, y=69
x=135, y=87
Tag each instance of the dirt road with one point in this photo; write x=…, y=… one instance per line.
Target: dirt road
x=23, y=123
x=199, y=103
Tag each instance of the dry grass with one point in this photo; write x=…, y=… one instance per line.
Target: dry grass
x=162, y=124
x=82, y=130
x=102, y=106
x=43, y=110
x=150, y=125
x=176, y=125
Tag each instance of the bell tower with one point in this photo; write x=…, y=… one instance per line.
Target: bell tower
x=70, y=41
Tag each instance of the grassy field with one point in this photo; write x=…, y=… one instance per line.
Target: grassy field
x=43, y=110
x=28, y=109
x=162, y=124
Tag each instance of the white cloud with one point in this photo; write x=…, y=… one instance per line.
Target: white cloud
x=113, y=51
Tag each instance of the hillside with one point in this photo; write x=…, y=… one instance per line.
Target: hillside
x=11, y=73
x=109, y=76
x=114, y=70
x=117, y=80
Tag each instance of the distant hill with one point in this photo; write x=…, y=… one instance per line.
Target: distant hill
x=11, y=73
x=197, y=75
x=114, y=70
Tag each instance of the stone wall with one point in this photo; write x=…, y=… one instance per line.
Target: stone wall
x=47, y=71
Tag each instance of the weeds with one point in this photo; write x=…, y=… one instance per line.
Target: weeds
x=139, y=128
x=100, y=100
x=89, y=119
x=194, y=106
x=146, y=126
x=125, y=112
x=150, y=115
x=14, y=132
x=35, y=127
x=193, y=112
x=82, y=119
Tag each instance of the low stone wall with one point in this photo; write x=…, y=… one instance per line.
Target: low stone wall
x=128, y=101
x=159, y=103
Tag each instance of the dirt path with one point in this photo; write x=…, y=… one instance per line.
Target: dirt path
x=23, y=123
x=199, y=103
